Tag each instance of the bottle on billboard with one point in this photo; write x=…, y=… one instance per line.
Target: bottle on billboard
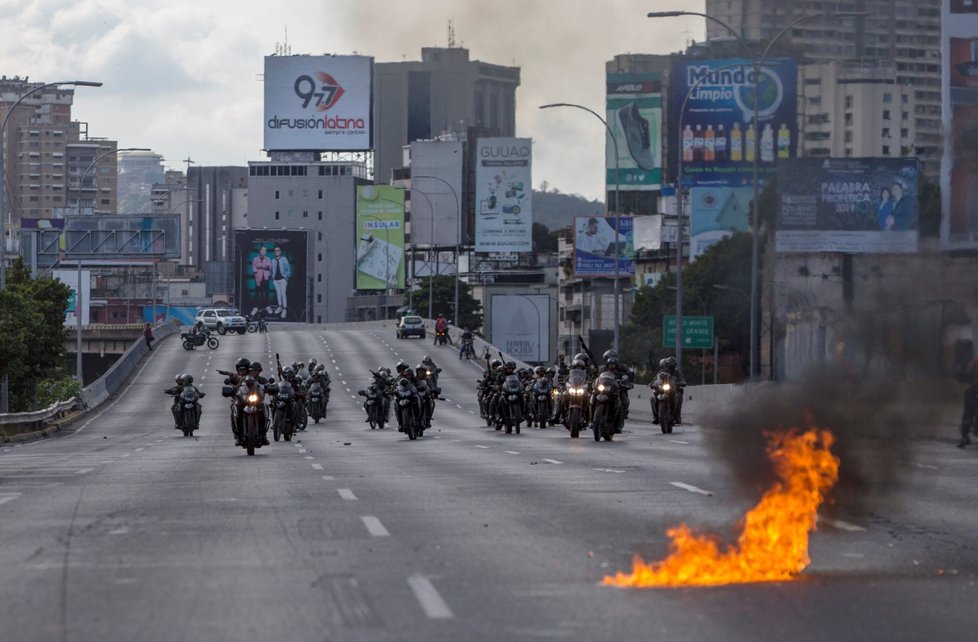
x=720, y=144
x=750, y=144
x=736, y=144
x=784, y=141
x=709, y=145
x=688, y=144
x=767, y=144
x=698, y=143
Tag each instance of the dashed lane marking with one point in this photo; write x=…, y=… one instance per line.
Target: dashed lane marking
x=552, y=461
x=841, y=525
x=347, y=494
x=432, y=603
x=317, y=466
x=8, y=497
x=328, y=477
x=512, y=452
x=486, y=447
x=609, y=470
x=692, y=489
x=676, y=441
x=374, y=526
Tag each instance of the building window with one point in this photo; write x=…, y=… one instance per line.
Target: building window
x=320, y=194
x=848, y=102
x=276, y=195
x=319, y=278
x=305, y=213
x=276, y=216
x=319, y=236
x=887, y=98
x=886, y=150
x=886, y=132
x=848, y=137
x=320, y=256
x=886, y=114
x=320, y=216
x=319, y=298
x=848, y=120
x=848, y=151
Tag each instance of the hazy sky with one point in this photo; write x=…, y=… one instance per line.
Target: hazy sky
x=183, y=77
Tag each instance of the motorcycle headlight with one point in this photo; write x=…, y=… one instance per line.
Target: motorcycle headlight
x=601, y=387
x=252, y=398
x=666, y=387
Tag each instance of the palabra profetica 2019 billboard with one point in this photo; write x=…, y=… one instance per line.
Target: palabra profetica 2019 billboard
x=319, y=103
x=715, y=134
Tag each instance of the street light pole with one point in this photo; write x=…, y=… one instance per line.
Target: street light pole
x=756, y=64
x=614, y=142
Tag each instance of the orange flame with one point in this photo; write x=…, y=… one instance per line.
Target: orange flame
x=773, y=545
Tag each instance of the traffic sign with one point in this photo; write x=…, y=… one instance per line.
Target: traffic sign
x=697, y=332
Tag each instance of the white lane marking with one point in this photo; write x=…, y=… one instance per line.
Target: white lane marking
x=139, y=450
x=486, y=447
x=5, y=499
x=432, y=603
x=374, y=527
x=347, y=494
x=512, y=452
x=317, y=466
x=308, y=457
x=676, y=441
x=609, y=470
x=459, y=406
x=82, y=471
x=343, y=382
x=841, y=525
x=690, y=488
x=328, y=477
x=302, y=450
x=126, y=454
x=553, y=461
x=471, y=412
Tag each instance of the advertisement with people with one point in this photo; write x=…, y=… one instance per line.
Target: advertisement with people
x=596, y=245
x=634, y=116
x=854, y=205
x=319, y=103
x=380, y=237
x=712, y=111
x=504, y=195
x=959, y=173
x=716, y=213
x=271, y=274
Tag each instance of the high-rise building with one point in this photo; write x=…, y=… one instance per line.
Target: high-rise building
x=443, y=92
x=903, y=35
x=138, y=172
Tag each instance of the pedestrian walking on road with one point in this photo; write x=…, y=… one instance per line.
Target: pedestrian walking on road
x=148, y=334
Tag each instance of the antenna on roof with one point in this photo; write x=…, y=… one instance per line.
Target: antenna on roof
x=451, y=35
x=283, y=48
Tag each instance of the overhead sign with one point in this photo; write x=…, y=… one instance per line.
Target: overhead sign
x=380, y=234
x=504, y=195
x=714, y=130
x=596, y=246
x=319, y=103
x=697, y=332
x=852, y=205
x=634, y=116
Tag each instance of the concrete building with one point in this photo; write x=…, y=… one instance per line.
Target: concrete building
x=443, y=92
x=220, y=194
x=901, y=34
x=320, y=198
x=138, y=172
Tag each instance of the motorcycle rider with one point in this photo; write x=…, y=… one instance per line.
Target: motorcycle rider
x=441, y=325
x=242, y=371
x=320, y=376
x=561, y=369
x=432, y=369
x=970, y=406
x=465, y=342
x=182, y=380
x=408, y=374
x=671, y=366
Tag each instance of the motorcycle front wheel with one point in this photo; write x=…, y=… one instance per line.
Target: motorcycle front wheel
x=596, y=422
x=187, y=344
x=213, y=343
x=574, y=419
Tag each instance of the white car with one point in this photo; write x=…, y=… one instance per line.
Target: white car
x=411, y=326
x=223, y=320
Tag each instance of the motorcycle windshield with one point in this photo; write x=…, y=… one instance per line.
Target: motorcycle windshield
x=577, y=378
x=188, y=396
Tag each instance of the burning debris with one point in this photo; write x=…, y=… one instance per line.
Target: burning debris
x=773, y=544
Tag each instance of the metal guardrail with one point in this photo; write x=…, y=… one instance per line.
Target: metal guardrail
x=56, y=408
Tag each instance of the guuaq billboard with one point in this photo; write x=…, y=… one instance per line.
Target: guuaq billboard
x=715, y=133
x=504, y=195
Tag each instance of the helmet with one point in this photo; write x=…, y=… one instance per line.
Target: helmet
x=611, y=361
x=242, y=363
x=322, y=368
x=384, y=371
x=401, y=366
x=407, y=372
x=511, y=365
x=255, y=366
x=288, y=371
x=578, y=363
x=581, y=356
x=540, y=371
x=495, y=363
x=427, y=360
x=312, y=364
x=188, y=379
x=671, y=361
x=663, y=362
x=179, y=378
x=551, y=371
x=609, y=354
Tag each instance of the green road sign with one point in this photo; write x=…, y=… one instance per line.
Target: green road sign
x=697, y=332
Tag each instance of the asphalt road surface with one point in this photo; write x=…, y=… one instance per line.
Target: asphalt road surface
x=126, y=530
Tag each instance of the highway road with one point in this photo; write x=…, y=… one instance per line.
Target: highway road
x=123, y=529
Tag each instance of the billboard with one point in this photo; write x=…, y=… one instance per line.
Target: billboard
x=716, y=213
x=436, y=180
x=270, y=273
x=503, y=195
x=634, y=116
x=959, y=168
x=715, y=134
x=380, y=237
x=847, y=205
x=521, y=326
x=70, y=278
x=319, y=103
x=595, y=244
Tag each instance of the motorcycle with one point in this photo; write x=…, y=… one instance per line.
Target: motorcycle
x=664, y=390
x=606, y=407
x=542, y=400
x=441, y=337
x=466, y=350
x=374, y=405
x=576, y=400
x=317, y=402
x=427, y=392
x=482, y=392
x=193, y=340
x=257, y=325
x=511, y=406
x=407, y=402
x=283, y=410
x=249, y=407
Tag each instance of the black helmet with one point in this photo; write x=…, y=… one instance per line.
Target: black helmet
x=578, y=363
x=400, y=366
x=671, y=361
x=188, y=379
x=427, y=360
x=495, y=363
x=242, y=363
x=611, y=361
x=255, y=366
x=663, y=362
x=288, y=371
x=312, y=364
x=540, y=371
x=322, y=368
x=511, y=365
x=551, y=371
x=609, y=354
x=407, y=372
x=179, y=378
x=581, y=356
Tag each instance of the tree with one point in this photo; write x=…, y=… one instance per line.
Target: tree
x=543, y=239
x=32, y=332
x=443, y=298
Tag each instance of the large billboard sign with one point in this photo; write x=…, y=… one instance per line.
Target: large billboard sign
x=271, y=273
x=319, y=103
x=715, y=134
x=380, y=237
x=596, y=245
x=852, y=205
x=716, y=213
x=503, y=195
x=634, y=116
x=959, y=170
x=521, y=326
